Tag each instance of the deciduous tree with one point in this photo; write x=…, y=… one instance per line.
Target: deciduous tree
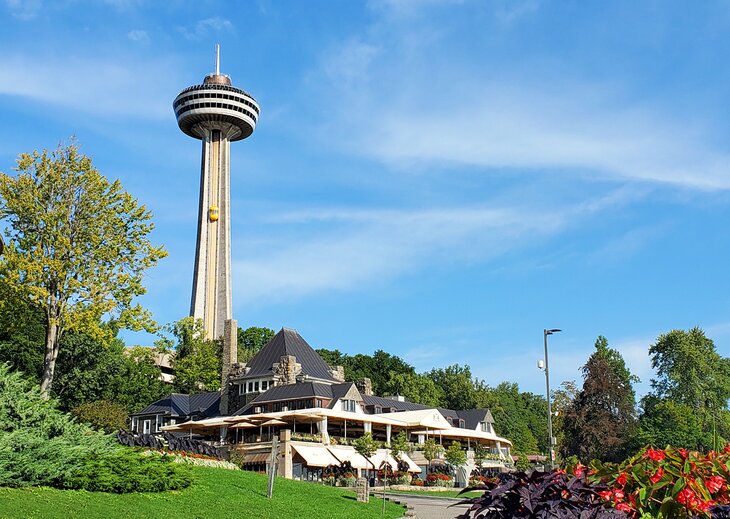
x=601, y=422
x=78, y=247
x=251, y=340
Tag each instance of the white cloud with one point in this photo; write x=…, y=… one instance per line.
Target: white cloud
x=398, y=97
x=102, y=86
x=346, y=249
x=24, y=9
x=205, y=27
x=139, y=36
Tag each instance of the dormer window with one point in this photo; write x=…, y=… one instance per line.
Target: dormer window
x=349, y=405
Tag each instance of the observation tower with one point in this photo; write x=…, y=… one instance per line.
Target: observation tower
x=217, y=113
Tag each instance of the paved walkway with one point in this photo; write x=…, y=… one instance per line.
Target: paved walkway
x=427, y=507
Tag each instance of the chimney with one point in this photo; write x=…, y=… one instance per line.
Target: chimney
x=230, y=357
x=338, y=373
x=365, y=386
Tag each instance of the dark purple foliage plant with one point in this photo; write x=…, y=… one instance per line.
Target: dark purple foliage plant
x=541, y=495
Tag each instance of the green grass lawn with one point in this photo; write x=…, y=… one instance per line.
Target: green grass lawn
x=215, y=493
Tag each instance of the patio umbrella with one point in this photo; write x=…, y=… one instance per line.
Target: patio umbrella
x=271, y=422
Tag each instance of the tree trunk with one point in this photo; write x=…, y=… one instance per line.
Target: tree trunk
x=53, y=333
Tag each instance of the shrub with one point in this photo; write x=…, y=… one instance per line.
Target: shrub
x=40, y=445
x=541, y=495
x=102, y=414
x=127, y=471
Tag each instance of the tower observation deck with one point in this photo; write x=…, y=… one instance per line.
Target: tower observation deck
x=217, y=113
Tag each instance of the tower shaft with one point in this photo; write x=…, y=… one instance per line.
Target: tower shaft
x=211, y=298
x=217, y=113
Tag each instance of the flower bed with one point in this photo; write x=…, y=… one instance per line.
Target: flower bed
x=439, y=480
x=671, y=482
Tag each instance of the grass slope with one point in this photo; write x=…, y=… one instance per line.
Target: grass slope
x=216, y=493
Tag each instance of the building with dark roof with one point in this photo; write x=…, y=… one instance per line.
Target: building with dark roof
x=175, y=408
x=287, y=359
x=288, y=390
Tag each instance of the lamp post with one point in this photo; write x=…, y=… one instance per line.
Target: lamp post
x=551, y=442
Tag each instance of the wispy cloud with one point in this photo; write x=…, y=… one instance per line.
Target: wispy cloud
x=24, y=9
x=139, y=36
x=425, y=106
x=102, y=86
x=206, y=27
x=348, y=249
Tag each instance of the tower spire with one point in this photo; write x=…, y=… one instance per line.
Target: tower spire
x=217, y=59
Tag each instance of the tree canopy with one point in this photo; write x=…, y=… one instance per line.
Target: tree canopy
x=600, y=423
x=77, y=247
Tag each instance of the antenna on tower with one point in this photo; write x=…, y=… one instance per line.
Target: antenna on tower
x=217, y=59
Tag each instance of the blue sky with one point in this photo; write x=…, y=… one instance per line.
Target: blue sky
x=438, y=179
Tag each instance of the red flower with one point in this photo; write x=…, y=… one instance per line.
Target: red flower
x=618, y=495
x=655, y=455
x=714, y=484
x=686, y=496
x=657, y=475
x=578, y=471
x=621, y=479
x=683, y=453
x=726, y=449
x=623, y=507
x=605, y=494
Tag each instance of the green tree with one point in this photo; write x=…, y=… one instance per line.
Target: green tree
x=666, y=422
x=22, y=332
x=601, y=421
x=480, y=454
x=454, y=455
x=689, y=370
x=197, y=360
x=431, y=450
x=517, y=415
x=688, y=404
x=457, y=385
x=399, y=445
x=415, y=388
x=562, y=399
x=138, y=383
x=251, y=340
x=366, y=446
x=77, y=247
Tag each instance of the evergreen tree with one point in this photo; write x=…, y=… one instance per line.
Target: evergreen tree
x=601, y=422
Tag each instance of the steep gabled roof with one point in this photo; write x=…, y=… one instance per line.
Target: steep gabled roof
x=203, y=405
x=288, y=342
x=472, y=417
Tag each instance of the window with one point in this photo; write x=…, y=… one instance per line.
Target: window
x=256, y=386
x=158, y=423
x=147, y=425
x=134, y=424
x=462, y=423
x=348, y=405
x=173, y=421
x=264, y=385
x=257, y=409
x=485, y=426
x=377, y=410
x=250, y=387
x=319, y=403
x=242, y=389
